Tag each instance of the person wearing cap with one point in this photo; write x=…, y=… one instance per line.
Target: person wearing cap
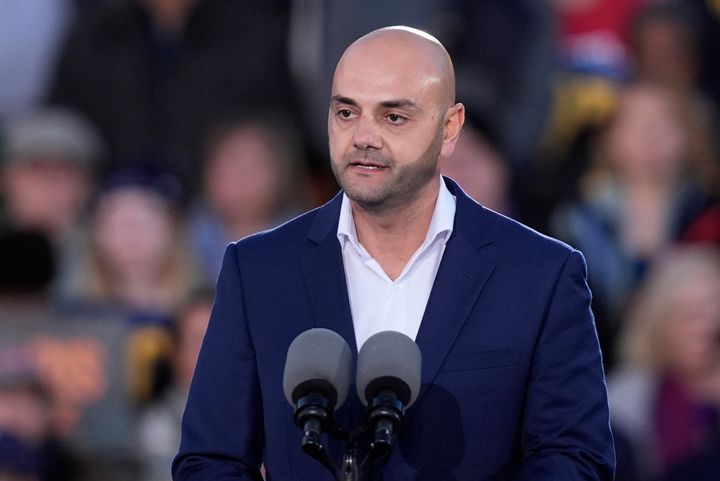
x=47, y=161
x=47, y=164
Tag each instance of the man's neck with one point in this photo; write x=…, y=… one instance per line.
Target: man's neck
x=392, y=236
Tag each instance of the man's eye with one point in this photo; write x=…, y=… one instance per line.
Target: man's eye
x=345, y=113
x=396, y=119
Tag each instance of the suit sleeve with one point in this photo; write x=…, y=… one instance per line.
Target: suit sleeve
x=566, y=429
x=222, y=423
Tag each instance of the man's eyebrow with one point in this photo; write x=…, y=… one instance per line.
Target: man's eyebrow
x=390, y=104
x=400, y=103
x=339, y=99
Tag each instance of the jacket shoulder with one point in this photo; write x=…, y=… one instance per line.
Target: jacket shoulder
x=523, y=242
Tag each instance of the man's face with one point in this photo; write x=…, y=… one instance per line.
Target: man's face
x=385, y=126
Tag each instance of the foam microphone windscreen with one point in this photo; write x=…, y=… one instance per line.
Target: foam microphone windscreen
x=389, y=360
x=318, y=361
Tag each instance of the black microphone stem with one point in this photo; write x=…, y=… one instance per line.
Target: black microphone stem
x=350, y=468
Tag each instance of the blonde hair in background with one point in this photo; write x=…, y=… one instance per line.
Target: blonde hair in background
x=642, y=341
x=178, y=277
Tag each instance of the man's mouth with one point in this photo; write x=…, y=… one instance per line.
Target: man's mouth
x=367, y=165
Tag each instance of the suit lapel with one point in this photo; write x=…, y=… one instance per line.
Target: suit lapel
x=462, y=274
x=463, y=271
x=324, y=273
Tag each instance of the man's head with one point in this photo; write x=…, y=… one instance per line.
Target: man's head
x=392, y=114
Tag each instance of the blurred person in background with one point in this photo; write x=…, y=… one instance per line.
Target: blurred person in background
x=155, y=74
x=159, y=430
x=138, y=267
x=592, y=61
x=642, y=189
x=46, y=175
x=666, y=50
x=253, y=179
x=137, y=261
x=29, y=450
x=665, y=393
x=665, y=46
x=81, y=359
x=27, y=274
x=480, y=168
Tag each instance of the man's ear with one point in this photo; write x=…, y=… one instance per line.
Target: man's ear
x=454, y=120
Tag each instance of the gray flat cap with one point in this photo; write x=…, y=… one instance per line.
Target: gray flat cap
x=52, y=132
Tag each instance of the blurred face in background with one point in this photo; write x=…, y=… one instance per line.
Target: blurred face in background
x=46, y=193
x=479, y=169
x=134, y=229
x=665, y=52
x=692, y=336
x=24, y=413
x=647, y=141
x=243, y=178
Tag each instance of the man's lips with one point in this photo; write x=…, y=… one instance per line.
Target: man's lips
x=367, y=164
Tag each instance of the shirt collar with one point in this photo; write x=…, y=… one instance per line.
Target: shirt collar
x=441, y=224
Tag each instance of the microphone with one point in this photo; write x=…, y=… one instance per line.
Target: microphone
x=388, y=380
x=316, y=381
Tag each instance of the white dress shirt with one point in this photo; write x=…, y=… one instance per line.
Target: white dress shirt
x=378, y=303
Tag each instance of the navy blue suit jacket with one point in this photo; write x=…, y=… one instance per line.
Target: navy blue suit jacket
x=512, y=382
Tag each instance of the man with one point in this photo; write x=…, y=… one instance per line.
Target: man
x=512, y=383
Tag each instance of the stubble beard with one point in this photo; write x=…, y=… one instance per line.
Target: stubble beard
x=401, y=189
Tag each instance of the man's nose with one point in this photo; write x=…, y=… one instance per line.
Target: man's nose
x=367, y=135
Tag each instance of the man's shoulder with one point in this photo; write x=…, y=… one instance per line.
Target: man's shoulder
x=518, y=239
x=509, y=236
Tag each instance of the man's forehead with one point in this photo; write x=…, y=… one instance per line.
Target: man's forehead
x=393, y=64
x=382, y=79
x=381, y=56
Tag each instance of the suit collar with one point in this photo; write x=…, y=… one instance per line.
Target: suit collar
x=326, y=220
x=465, y=267
x=322, y=266
x=476, y=231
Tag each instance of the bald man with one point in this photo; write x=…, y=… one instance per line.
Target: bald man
x=512, y=382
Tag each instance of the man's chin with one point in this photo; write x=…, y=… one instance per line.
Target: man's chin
x=366, y=199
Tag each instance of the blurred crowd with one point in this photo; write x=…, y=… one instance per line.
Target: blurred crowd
x=139, y=137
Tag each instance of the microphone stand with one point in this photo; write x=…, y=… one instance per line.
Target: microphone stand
x=350, y=468
x=384, y=417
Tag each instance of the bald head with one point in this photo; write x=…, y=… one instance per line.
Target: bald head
x=412, y=53
x=392, y=115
